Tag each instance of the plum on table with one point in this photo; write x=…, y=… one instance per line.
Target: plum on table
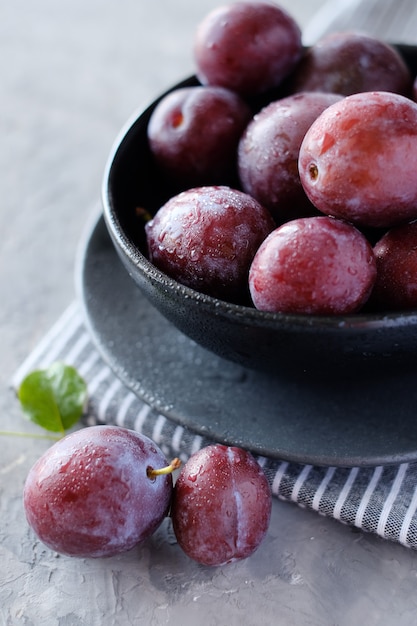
x=92, y=493
x=221, y=505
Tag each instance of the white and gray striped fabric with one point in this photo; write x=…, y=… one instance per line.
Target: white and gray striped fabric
x=392, y=21
x=381, y=500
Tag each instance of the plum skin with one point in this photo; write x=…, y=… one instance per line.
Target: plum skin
x=357, y=160
x=268, y=153
x=221, y=505
x=193, y=134
x=351, y=62
x=206, y=238
x=396, y=259
x=248, y=47
x=89, y=494
x=318, y=266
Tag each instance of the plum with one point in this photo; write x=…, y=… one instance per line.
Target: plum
x=269, y=149
x=396, y=260
x=193, y=134
x=249, y=47
x=221, y=505
x=313, y=265
x=357, y=160
x=91, y=493
x=206, y=238
x=350, y=62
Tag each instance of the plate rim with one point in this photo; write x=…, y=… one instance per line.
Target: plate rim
x=90, y=234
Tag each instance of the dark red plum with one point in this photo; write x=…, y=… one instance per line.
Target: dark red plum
x=206, y=238
x=194, y=132
x=317, y=266
x=90, y=495
x=348, y=63
x=221, y=505
x=357, y=160
x=269, y=149
x=249, y=47
x=396, y=259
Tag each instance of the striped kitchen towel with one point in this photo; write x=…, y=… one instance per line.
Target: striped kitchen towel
x=380, y=500
x=391, y=21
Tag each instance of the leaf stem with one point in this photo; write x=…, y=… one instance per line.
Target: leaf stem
x=30, y=435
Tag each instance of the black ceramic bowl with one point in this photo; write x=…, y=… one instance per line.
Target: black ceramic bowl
x=269, y=342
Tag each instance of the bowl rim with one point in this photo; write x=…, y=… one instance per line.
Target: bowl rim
x=361, y=321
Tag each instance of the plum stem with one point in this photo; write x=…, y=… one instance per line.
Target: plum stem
x=153, y=473
x=143, y=214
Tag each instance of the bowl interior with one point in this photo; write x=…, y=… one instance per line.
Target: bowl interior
x=253, y=338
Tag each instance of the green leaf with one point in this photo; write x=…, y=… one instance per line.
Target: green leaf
x=53, y=398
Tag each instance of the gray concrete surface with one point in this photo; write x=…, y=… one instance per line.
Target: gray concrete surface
x=71, y=73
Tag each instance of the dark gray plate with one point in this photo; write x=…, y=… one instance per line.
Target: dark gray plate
x=355, y=421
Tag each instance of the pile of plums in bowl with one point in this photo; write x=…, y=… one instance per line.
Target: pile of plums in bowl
x=266, y=206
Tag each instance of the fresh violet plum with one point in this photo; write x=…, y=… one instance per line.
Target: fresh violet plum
x=194, y=132
x=357, y=160
x=221, y=505
x=90, y=495
x=249, y=47
x=350, y=62
x=314, y=265
x=206, y=238
x=269, y=149
x=396, y=260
